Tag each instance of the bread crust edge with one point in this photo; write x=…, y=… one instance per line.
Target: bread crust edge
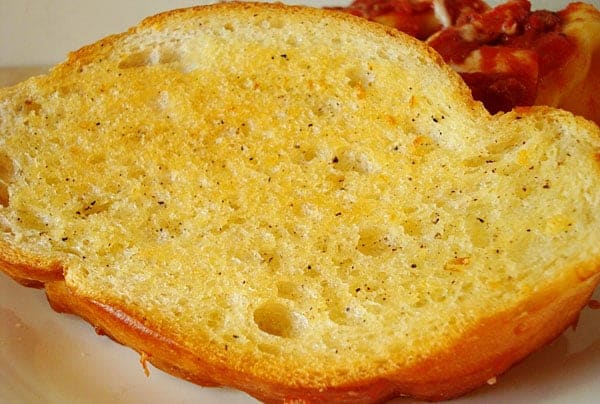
x=486, y=351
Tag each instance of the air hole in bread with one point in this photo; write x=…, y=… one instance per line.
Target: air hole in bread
x=374, y=241
x=74, y=251
x=277, y=319
x=345, y=313
x=478, y=232
x=328, y=107
x=228, y=27
x=289, y=290
x=271, y=22
x=344, y=268
x=31, y=221
x=292, y=41
x=522, y=190
x=420, y=302
x=162, y=55
x=558, y=223
x=309, y=154
x=96, y=159
x=467, y=287
x=507, y=169
x=271, y=259
x=504, y=145
x=137, y=59
x=422, y=145
x=29, y=106
x=457, y=264
x=214, y=319
x=6, y=175
x=413, y=227
x=339, y=315
x=93, y=207
x=337, y=181
x=477, y=223
x=385, y=54
x=303, y=154
x=269, y=349
x=311, y=271
x=168, y=55
x=331, y=341
x=336, y=40
x=163, y=100
x=354, y=160
x=374, y=308
x=359, y=77
x=5, y=226
x=234, y=205
x=475, y=161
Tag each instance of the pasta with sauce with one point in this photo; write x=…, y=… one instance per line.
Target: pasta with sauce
x=510, y=55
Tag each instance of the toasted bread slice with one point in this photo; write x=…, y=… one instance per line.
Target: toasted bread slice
x=299, y=204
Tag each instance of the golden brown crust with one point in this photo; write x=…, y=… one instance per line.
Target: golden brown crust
x=488, y=350
x=95, y=51
x=116, y=323
x=27, y=269
x=497, y=343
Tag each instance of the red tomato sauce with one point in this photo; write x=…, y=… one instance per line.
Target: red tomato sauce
x=497, y=33
x=414, y=17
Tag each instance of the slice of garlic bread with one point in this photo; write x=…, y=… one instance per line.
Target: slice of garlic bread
x=297, y=203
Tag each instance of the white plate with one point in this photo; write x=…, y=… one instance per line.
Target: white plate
x=51, y=358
